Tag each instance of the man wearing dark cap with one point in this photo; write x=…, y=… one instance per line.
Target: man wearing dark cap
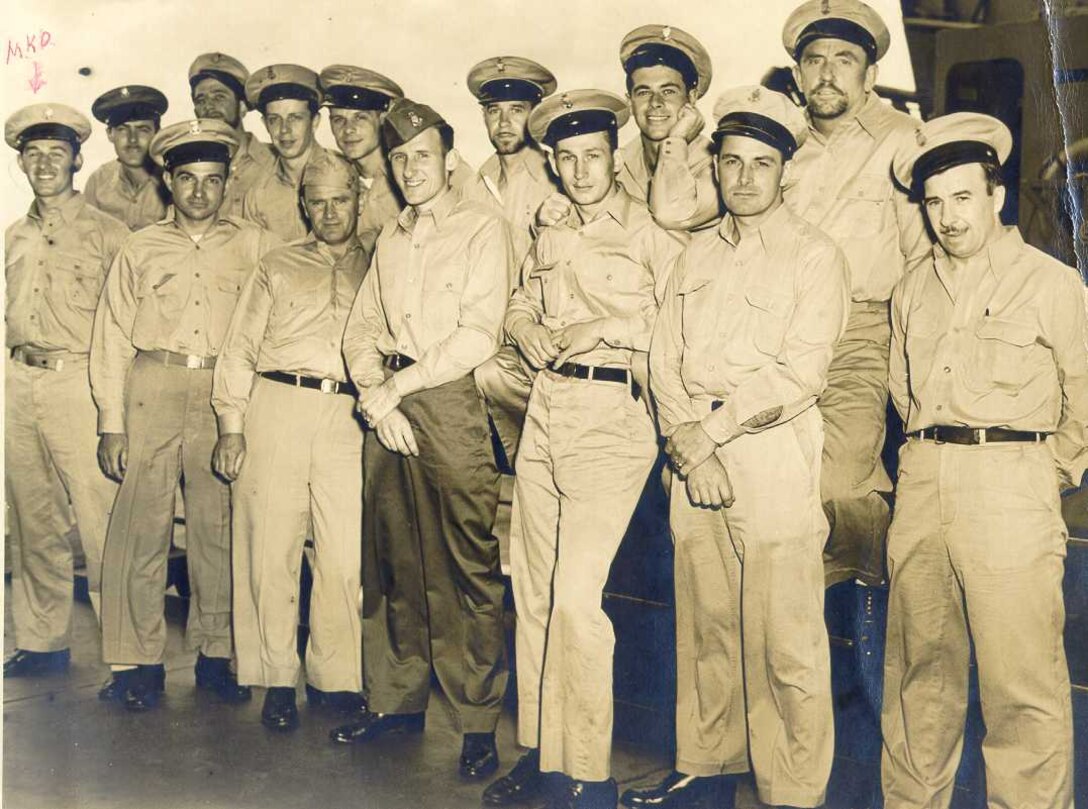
x=291, y=442
x=429, y=311
x=218, y=85
x=738, y=360
x=129, y=188
x=989, y=371
x=356, y=99
x=518, y=179
x=582, y=315
x=288, y=99
x=158, y=330
x=55, y=262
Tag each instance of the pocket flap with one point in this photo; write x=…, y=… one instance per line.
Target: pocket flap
x=869, y=187
x=1007, y=331
x=768, y=301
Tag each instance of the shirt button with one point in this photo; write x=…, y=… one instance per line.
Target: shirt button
x=940, y=407
x=196, y=303
x=408, y=316
x=196, y=275
x=571, y=296
x=36, y=289
x=609, y=277
x=947, y=370
x=196, y=331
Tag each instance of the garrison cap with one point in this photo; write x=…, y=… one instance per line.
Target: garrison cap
x=224, y=69
x=134, y=102
x=510, y=78
x=46, y=122
x=756, y=112
x=357, y=88
x=277, y=82
x=328, y=168
x=197, y=141
x=951, y=140
x=406, y=119
x=667, y=45
x=851, y=20
x=577, y=112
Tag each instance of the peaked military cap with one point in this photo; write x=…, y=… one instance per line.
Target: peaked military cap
x=197, y=141
x=850, y=20
x=756, y=112
x=510, y=78
x=224, y=69
x=667, y=45
x=577, y=112
x=357, y=88
x=276, y=82
x=46, y=122
x=951, y=140
x=134, y=102
x=406, y=119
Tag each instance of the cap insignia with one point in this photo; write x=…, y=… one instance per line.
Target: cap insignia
x=666, y=32
x=920, y=136
x=414, y=119
x=124, y=92
x=567, y=103
x=270, y=74
x=48, y=112
x=216, y=57
x=194, y=128
x=754, y=97
x=825, y=7
x=500, y=66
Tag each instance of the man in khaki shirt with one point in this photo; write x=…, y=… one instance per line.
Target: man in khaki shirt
x=582, y=316
x=989, y=371
x=129, y=188
x=159, y=327
x=356, y=99
x=288, y=99
x=738, y=360
x=429, y=311
x=55, y=263
x=218, y=85
x=290, y=441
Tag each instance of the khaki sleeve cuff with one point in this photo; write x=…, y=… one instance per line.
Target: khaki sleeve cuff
x=231, y=423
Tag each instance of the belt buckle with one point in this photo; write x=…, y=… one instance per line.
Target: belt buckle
x=936, y=439
x=58, y=367
x=980, y=436
x=193, y=362
x=329, y=385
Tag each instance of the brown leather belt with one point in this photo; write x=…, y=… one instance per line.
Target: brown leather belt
x=397, y=362
x=313, y=382
x=51, y=360
x=974, y=436
x=194, y=362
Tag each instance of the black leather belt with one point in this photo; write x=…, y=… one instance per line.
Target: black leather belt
x=397, y=362
x=599, y=373
x=974, y=435
x=298, y=381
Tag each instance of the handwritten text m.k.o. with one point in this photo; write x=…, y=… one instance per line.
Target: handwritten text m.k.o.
x=28, y=47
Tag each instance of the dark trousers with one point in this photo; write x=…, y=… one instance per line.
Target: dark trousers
x=432, y=590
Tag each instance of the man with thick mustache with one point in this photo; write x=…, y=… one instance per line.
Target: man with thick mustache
x=129, y=188
x=989, y=371
x=218, y=85
x=55, y=263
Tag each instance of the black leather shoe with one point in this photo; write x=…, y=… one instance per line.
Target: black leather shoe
x=585, y=795
x=145, y=688
x=523, y=784
x=114, y=690
x=214, y=674
x=36, y=664
x=342, y=702
x=479, y=756
x=679, y=791
x=371, y=725
x=279, y=712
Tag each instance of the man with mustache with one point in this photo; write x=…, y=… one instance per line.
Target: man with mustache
x=218, y=85
x=989, y=371
x=55, y=263
x=129, y=188
x=288, y=99
x=158, y=330
x=290, y=441
x=517, y=179
x=356, y=99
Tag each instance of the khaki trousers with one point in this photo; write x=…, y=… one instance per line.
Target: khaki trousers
x=432, y=590
x=505, y=381
x=303, y=457
x=854, y=408
x=171, y=433
x=50, y=446
x=976, y=554
x=583, y=462
x=753, y=666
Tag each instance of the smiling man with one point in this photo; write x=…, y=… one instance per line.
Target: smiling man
x=217, y=82
x=129, y=188
x=739, y=357
x=989, y=371
x=55, y=264
x=158, y=330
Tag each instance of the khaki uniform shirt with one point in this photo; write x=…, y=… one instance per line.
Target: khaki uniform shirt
x=752, y=324
x=251, y=160
x=1006, y=345
x=843, y=185
x=55, y=265
x=379, y=202
x=436, y=292
x=613, y=267
x=290, y=317
x=109, y=189
x=167, y=292
x=681, y=192
x=273, y=200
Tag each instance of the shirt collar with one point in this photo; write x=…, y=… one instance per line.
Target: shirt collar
x=439, y=211
x=69, y=210
x=221, y=218
x=311, y=242
x=530, y=159
x=768, y=230
x=999, y=255
x=870, y=118
x=617, y=206
x=281, y=166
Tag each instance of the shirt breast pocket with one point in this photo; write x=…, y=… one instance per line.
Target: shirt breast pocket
x=770, y=316
x=863, y=201
x=78, y=282
x=229, y=284
x=1004, y=355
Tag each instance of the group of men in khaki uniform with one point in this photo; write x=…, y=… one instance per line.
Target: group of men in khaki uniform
x=349, y=347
